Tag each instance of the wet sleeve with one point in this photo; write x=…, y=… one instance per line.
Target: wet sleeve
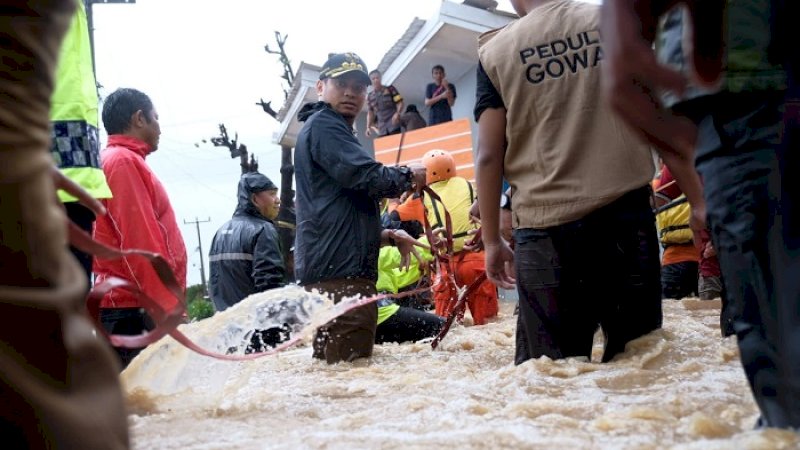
x=269, y=271
x=486, y=95
x=340, y=155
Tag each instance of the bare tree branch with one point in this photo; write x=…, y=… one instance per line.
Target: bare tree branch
x=267, y=107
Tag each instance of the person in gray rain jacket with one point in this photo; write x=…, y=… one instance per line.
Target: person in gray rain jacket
x=245, y=256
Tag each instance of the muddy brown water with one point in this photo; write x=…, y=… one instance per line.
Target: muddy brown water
x=681, y=387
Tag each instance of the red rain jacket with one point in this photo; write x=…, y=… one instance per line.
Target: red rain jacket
x=139, y=217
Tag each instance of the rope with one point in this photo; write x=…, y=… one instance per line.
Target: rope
x=461, y=297
x=167, y=321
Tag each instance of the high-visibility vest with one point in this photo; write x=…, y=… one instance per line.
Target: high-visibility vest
x=74, y=137
x=672, y=221
x=391, y=278
x=457, y=195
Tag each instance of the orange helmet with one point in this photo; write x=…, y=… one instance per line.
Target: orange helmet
x=439, y=165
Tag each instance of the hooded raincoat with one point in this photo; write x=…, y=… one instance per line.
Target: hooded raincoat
x=245, y=256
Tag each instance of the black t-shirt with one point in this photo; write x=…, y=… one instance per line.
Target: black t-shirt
x=486, y=96
x=440, y=111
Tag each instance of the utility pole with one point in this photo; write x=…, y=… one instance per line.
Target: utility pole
x=200, y=249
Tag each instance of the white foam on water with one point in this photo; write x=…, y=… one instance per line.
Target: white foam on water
x=681, y=387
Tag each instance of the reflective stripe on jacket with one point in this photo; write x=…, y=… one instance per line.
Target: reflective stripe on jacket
x=245, y=256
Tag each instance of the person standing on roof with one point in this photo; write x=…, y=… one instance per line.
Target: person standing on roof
x=412, y=119
x=384, y=106
x=440, y=96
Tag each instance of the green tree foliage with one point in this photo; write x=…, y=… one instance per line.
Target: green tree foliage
x=194, y=292
x=198, y=306
x=200, y=309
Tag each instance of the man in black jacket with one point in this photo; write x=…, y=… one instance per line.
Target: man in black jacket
x=245, y=254
x=339, y=185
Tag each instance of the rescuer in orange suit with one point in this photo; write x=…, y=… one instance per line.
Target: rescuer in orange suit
x=457, y=196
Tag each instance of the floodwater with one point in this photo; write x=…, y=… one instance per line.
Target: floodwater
x=681, y=387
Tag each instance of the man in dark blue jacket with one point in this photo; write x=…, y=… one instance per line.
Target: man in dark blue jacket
x=339, y=185
x=245, y=256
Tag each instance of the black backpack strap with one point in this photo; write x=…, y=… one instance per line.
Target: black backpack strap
x=436, y=212
x=671, y=228
x=678, y=201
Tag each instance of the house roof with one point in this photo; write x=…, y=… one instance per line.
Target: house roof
x=401, y=44
x=449, y=39
x=303, y=91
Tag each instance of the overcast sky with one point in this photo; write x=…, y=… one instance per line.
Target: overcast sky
x=203, y=63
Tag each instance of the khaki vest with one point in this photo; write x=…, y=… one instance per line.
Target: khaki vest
x=567, y=153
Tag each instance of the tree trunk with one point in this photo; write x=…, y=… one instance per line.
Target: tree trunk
x=286, y=216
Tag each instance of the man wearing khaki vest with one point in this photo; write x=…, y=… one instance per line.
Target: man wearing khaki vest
x=586, y=250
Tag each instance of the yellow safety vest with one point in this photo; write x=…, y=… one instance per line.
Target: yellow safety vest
x=457, y=195
x=74, y=138
x=391, y=278
x=673, y=223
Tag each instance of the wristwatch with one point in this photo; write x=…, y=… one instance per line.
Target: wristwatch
x=505, y=201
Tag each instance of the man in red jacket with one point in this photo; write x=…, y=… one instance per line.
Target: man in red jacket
x=139, y=216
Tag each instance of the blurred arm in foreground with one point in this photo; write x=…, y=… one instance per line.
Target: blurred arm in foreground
x=58, y=379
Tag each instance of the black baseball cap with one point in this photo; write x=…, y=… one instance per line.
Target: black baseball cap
x=339, y=64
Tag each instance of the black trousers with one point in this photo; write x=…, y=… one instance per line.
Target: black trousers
x=126, y=322
x=408, y=325
x=84, y=218
x=751, y=191
x=679, y=280
x=351, y=335
x=602, y=270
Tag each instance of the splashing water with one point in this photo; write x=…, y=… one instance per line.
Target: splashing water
x=679, y=388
